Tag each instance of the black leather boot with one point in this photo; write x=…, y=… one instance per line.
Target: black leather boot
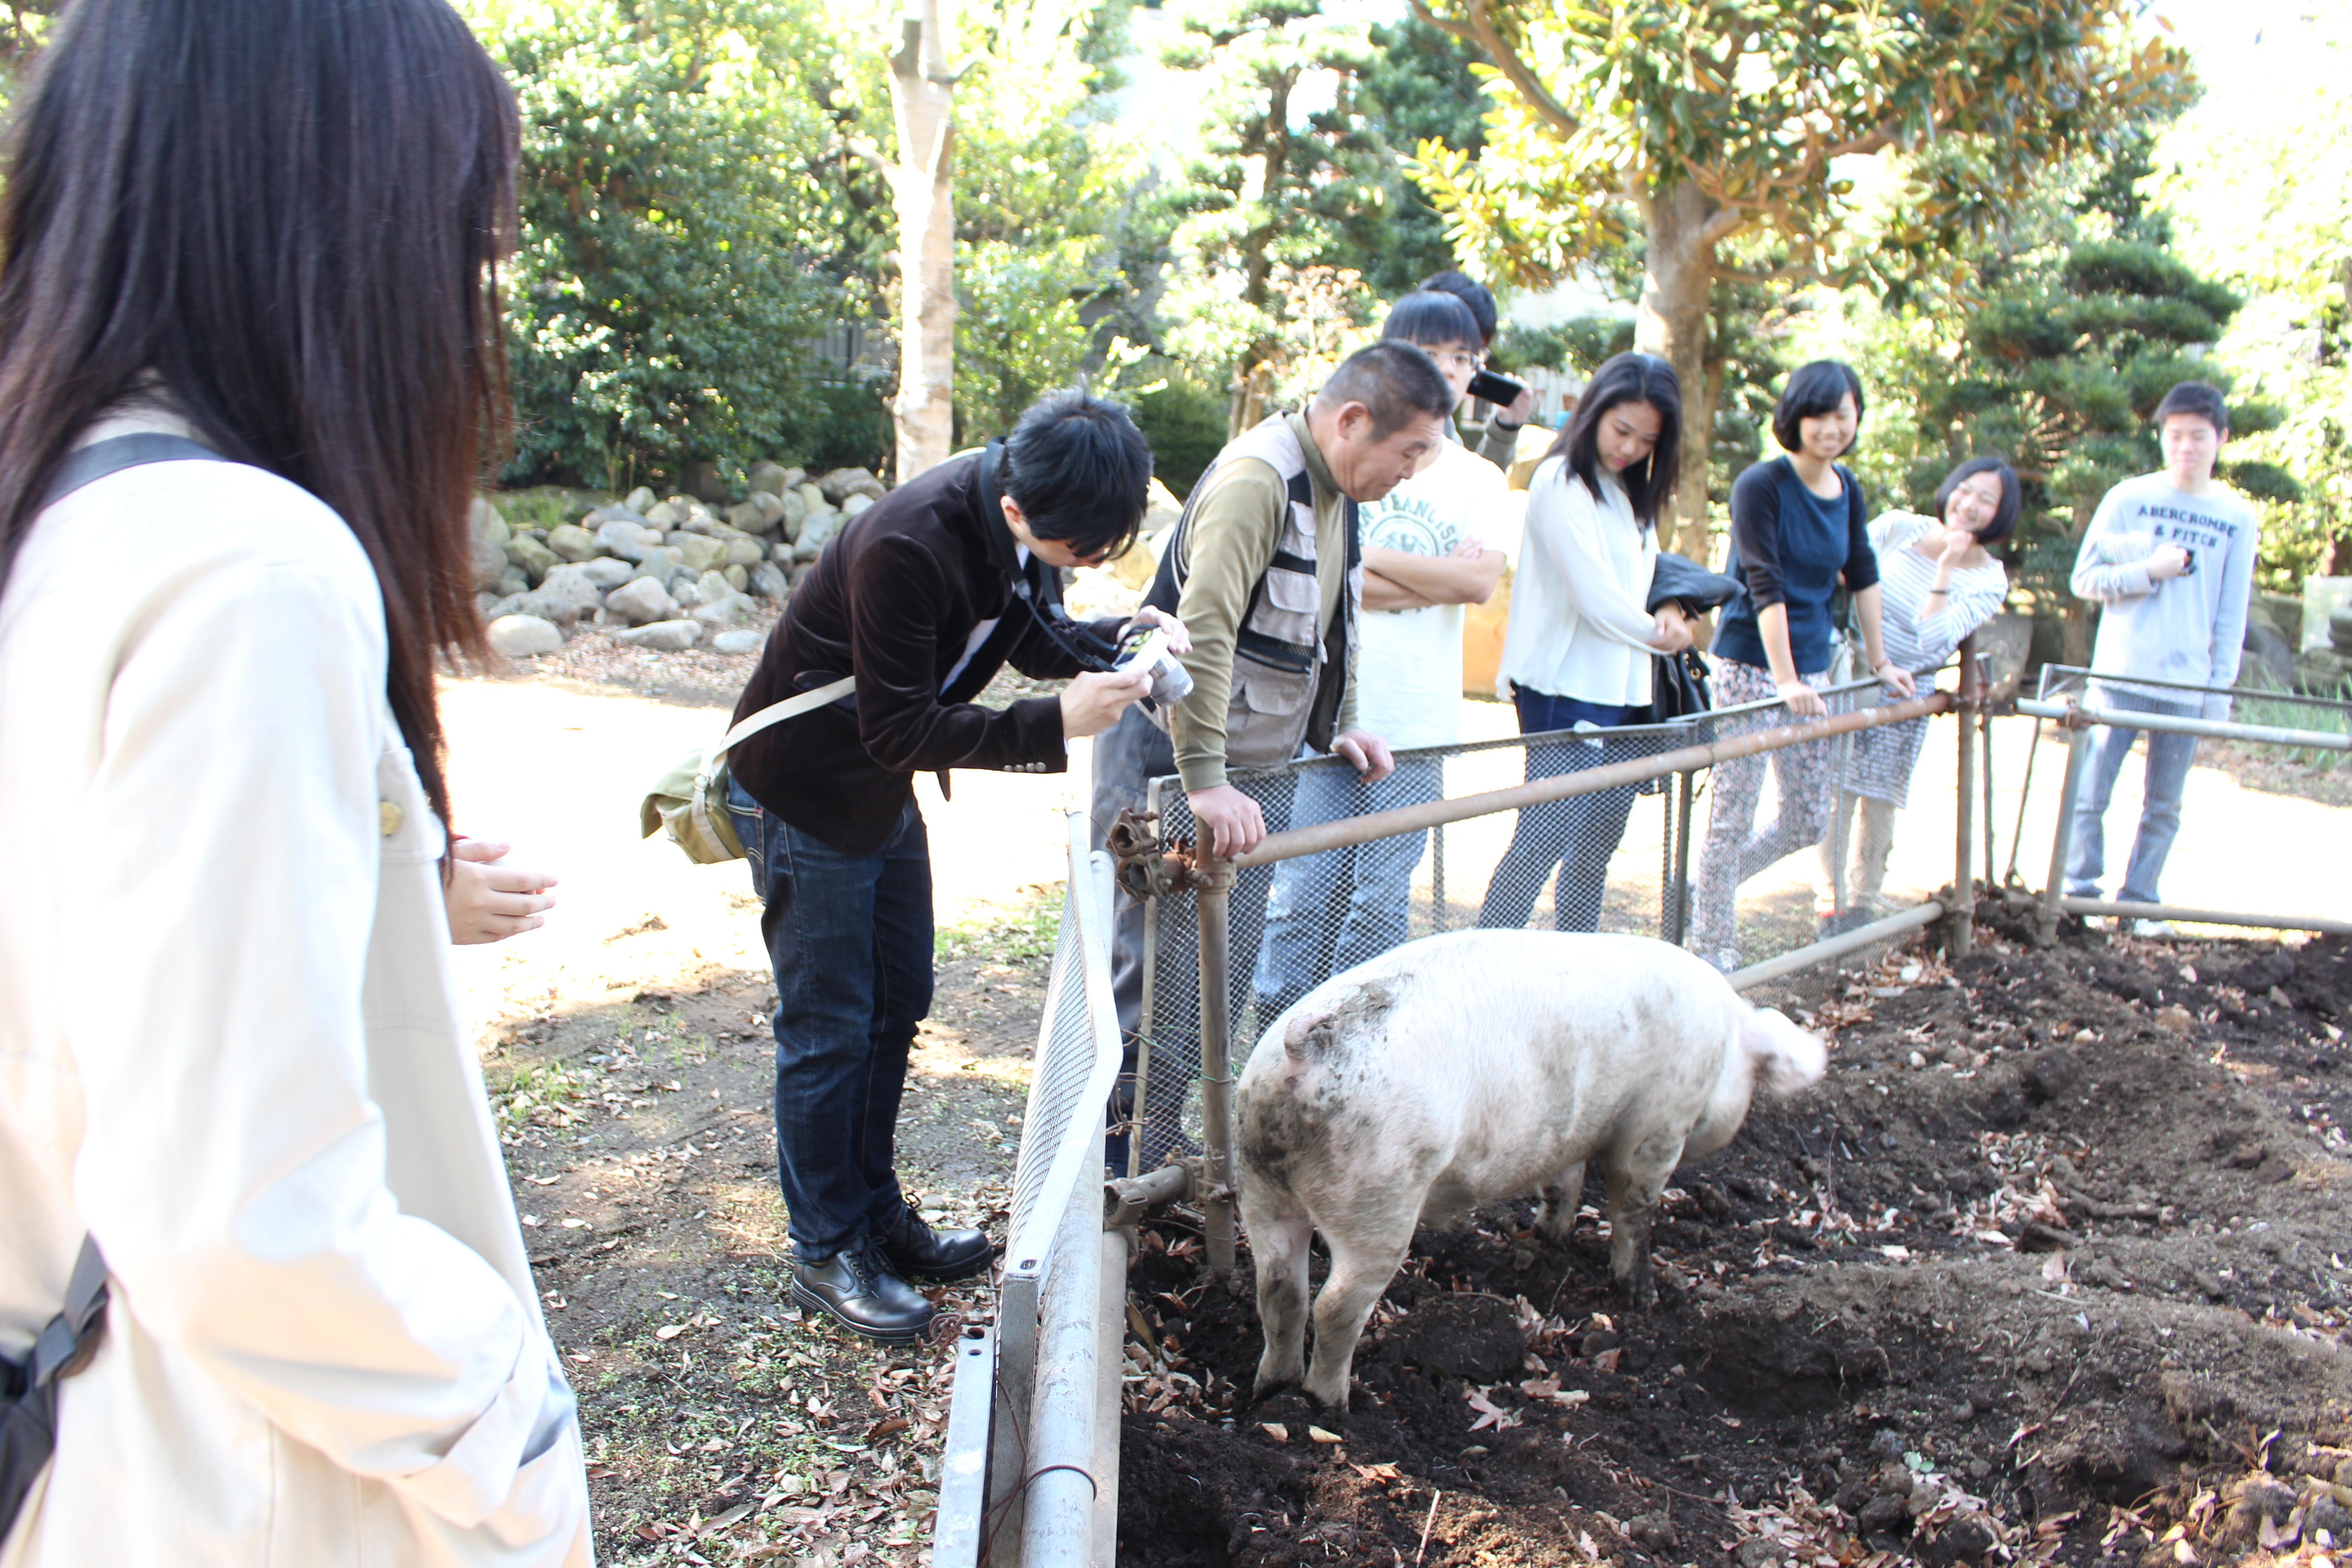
x=856, y=1288
x=941, y=1257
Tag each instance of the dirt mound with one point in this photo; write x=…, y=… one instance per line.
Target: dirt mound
x=2052, y=1263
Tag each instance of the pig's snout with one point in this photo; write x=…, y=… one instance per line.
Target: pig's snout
x=1787, y=1058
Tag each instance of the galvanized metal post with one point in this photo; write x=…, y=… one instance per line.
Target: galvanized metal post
x=2078, y=742
x=1057, y=1526
x=1961, y=929
x=1213, y=903
x=1683, y=789
x=1111, y=1360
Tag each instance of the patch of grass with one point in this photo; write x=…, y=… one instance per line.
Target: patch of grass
x=1020, y=933
x=2285, y=714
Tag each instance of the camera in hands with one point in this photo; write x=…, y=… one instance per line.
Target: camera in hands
x=1145, y=646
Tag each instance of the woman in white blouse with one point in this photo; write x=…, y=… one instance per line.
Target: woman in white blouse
x=1577, y=651
x=1938, y=583
x=249, y=376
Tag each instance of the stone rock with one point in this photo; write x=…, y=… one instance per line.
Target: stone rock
x=781, y=553
x=669, y=636
x=629, y=541
x=816, y=534
x=572, y=542
x=796, y=510
x=598, y=516
x=530, y=554
x=772, y=510
x=852, y=505
x=765, y=478
x=685, y=591
x=2272, y=657
x=1654, y=1531
x=745, y=552
x=513, y=580
x=768, y=581
x=738, y=642
x=642, y=601
x=564, y=595
x=738, y=576
x=717, y=602
x=747, y=517
x=661, y=570
x=607, y=572
x=641, y=501
x=813, y=496
x=697, y=551
x=522, y=636
x=843, y=483
x=661, y=514
x=489, y=564
x=484, y=521
x=800, y=572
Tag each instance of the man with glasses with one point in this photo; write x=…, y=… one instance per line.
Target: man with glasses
x=920, y=599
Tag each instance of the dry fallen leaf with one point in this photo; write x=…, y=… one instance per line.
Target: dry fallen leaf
x=1275, y=1430
x=1316, y=1435
x=669, y=1331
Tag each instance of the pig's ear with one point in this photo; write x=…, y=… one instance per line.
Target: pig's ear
x=1308, y=1032
x=1787, y=1058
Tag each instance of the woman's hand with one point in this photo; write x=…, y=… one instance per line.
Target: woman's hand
x=1673, y=630
x=1957, y=542
x=1894, y=678
x=1802, y=700
x=489, y=902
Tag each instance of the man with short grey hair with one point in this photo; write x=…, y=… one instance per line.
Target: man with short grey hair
x=1266, y=570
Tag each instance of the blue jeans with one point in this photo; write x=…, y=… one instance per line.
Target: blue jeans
x=1329, y=912
x=1579, y=834
x=2168, y=757
x=849, y=937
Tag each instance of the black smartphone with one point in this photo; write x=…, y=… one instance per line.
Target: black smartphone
x=1493, y=386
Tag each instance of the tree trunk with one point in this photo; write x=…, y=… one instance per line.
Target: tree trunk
x=1670, y=322
x=923, y=96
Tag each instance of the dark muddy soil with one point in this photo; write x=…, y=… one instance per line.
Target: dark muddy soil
x=2052, y=1265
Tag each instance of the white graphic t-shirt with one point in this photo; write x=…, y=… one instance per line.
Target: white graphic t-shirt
x=1408, y=687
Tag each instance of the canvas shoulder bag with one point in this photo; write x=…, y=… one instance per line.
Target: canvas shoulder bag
x=689, y=800
x=28, y=1389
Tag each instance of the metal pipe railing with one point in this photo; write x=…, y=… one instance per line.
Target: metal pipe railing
x=1057, y=1527
x=1967, y=707
x=2176, y=724
x=1771, y=969
x=1319, y=837
x=1211, y=908
x=2139, y=911
x=2056, y=679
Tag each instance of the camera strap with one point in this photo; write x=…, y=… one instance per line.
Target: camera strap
x=1080, y=642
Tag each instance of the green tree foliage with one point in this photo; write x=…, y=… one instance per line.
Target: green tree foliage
x=2263, y=195
x=1698, y=122
x=681, y=202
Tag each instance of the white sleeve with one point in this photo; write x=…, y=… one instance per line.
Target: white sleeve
x=1564, y=514
x=232, y=1163
x=2097, y=578
x=2229, y=645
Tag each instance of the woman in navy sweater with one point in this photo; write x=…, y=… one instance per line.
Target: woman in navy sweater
x=1796, y=528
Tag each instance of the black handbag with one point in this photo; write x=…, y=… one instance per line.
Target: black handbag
x=1678, y=686
x=28, y=1389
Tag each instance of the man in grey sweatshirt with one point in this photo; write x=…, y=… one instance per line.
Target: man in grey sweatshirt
x=2170, y=557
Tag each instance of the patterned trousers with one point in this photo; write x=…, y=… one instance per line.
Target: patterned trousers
x=1735, y=849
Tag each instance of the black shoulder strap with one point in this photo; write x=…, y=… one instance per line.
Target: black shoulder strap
x=72, y=1335
x=100, y=459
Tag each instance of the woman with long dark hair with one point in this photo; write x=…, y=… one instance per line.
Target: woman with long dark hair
x=1938, y=583
x=1798, y=530
x=249, y=374
x=1577, y=651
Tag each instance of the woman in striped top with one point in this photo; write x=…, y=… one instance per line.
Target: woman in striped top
x=1937, y=584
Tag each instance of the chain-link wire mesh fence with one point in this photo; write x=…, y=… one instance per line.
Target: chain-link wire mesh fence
x=1611, y=860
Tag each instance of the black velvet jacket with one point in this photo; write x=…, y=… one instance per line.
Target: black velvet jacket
x=894, y=599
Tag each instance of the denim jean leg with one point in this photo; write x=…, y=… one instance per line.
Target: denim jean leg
x=2087, y=856
x=1304, y=900
x=822, y=935
x=902, y=952
x=1379, y=899
x=1596, y=826
x=2169, y=760
x=1538, y=839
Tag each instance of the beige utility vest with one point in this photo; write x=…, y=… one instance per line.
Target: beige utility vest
x=1289, y=672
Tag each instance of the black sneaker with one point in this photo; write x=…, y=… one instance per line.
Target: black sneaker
x=856, y=1288
x=941, y=1257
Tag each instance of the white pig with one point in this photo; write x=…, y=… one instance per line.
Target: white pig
x=1472, y=1067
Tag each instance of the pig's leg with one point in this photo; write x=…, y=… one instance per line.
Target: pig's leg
x=1366, y=1249
x=1563, y=1196
x=1278, y=1241
x=1637, y=1178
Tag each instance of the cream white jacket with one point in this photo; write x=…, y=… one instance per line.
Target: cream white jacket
x=1577, y=626
x=230, y=1050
